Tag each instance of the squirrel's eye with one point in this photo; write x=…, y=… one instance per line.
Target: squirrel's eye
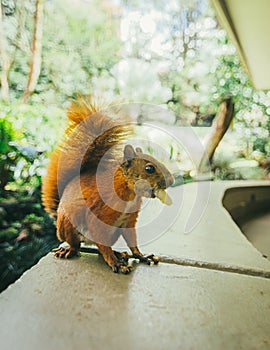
x=150, y=169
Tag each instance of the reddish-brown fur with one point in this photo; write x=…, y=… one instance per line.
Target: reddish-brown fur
x=95, y=197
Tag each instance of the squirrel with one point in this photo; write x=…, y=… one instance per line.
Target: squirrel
x=93, y=189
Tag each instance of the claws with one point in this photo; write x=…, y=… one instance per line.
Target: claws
x=118, y=262
x=122, y=268
x=122, y=256
x=66, y=253
x=122, y=264
x=148, y=259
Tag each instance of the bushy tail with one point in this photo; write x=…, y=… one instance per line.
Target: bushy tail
x=90, y=135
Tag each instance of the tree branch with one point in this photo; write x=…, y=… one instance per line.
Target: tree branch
x=220, y=125
x=4, y=61
x=35, y=65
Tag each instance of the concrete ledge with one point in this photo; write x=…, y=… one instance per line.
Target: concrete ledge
x=69, y=304
x=215, y=237
x=250, y=209
x=212, y=290
x=245, y=202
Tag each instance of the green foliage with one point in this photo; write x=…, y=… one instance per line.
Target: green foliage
x=193, y=57
x=26, y=234
x=6, y=135
x=28, y=134
x=79, y=42
x=7, y=156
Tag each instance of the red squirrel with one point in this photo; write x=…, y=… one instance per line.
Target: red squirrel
x=95, y=192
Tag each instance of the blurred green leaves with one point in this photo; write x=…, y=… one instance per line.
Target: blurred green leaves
x=28, y=135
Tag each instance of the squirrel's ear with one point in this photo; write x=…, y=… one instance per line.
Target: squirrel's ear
x=129, y=153
x=139, y=150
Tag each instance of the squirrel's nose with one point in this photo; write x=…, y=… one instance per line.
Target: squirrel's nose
x=170, y=181
x=167, y=181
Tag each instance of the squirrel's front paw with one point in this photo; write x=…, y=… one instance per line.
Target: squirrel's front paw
x=148, y=259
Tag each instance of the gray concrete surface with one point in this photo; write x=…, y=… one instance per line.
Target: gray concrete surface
x=80, y=303
x=257, y=231
x=214, y=238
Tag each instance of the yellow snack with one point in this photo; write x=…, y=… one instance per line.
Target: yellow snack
x=163, y=196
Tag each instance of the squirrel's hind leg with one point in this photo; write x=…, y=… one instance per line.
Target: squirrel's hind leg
x=67, y=233
x=65, y=252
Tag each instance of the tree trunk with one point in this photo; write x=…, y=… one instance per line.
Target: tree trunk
x=35, y=64
x=220, y=125
x=4, y=61
x=20, y=30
